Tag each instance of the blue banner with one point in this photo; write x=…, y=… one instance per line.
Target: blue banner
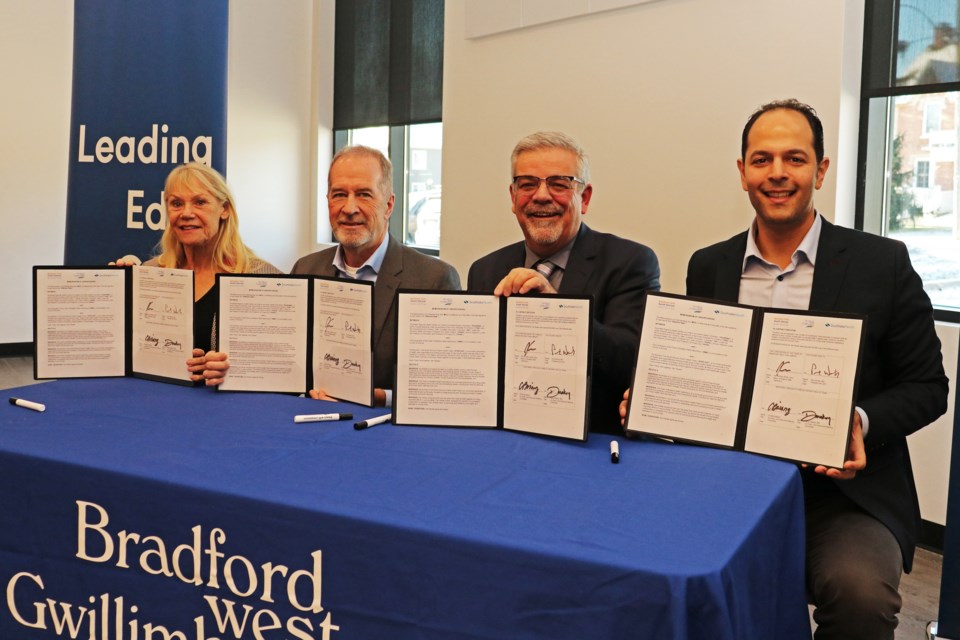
x=949, y=618
x=149, y=93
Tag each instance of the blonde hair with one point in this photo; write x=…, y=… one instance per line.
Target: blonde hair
x=230, y=255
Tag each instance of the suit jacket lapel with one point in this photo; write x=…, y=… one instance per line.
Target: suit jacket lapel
x=328, y=269
x=388, y=281
x=576, y=276
x=729, y=270
x=832, y=263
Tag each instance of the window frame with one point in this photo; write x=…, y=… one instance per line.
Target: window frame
x=917, y=173
x=881, y=25
x=928, y=109
x=399, y=138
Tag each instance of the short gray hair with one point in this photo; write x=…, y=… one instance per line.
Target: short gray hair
x=552, y=140
x=386, y=167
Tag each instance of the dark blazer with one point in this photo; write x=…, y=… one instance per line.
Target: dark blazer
x=902, y=381
x=402, y=267
x=615, y=272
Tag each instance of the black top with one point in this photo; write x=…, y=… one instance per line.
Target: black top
x=204, y=315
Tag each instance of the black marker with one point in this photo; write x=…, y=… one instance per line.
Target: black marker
x=363, y=424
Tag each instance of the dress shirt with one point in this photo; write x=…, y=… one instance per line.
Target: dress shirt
x=764, y=284
x=368, y=270
x=559, y=259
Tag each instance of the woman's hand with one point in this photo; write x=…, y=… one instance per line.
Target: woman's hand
x=126, y=261
x=211, y=367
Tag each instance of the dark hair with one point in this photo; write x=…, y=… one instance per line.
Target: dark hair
x=792, y=104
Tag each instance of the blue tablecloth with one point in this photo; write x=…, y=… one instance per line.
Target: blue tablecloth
x=132, y=505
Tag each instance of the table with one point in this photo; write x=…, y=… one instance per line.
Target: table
x=136, y=506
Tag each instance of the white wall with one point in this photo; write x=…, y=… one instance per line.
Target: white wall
x=279, y=113
x=36, y=62
x=930, y=447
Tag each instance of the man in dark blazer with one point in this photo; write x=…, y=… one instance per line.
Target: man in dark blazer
x=360, y=200
x=550, y=192
x=863, y=520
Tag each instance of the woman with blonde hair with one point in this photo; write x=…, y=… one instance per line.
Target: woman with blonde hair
x=203, y=235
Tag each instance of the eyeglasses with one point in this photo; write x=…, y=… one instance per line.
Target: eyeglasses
x=556, y=185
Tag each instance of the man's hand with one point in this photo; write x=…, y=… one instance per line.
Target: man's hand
x=321, y=394
x=379, y=396
x=521, y=280
x=856, y=454
x=211, y=367
x=623, y=406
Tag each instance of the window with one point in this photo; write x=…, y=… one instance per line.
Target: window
x=931, y=117
x=922, y=175
x=909, y=143
x=388, y=85
x=415, y=151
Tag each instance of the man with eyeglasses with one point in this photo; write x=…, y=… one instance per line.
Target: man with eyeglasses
x=550, y=192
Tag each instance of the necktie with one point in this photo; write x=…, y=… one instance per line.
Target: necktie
x=546, y=268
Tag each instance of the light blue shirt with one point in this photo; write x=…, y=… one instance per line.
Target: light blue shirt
x=368, y=270
x=764, y=284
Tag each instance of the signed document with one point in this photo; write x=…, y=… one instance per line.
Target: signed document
x=262, y=322
x=776, y=382
x=478, y=360
x=448, y=361
x=343, y=338
x=804, y=387
x=546, y=372
x=79, y=322
x=162, y=323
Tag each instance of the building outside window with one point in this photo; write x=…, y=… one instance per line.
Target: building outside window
x=909, y=141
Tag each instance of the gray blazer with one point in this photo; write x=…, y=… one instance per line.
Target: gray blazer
x=402, y=267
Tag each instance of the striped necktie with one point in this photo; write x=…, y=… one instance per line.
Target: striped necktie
x=546, y=268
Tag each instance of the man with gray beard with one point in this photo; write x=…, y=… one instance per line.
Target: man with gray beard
x=550, y=193
x=360, y=201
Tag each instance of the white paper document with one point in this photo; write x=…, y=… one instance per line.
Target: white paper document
x=342, y=339
x=79, y=322
x=475, y=360
x=801, y=406
x=545, y=375
x=690, y=370
x=262, y=325
x=776, y=382
x=447, y=359
x=162, y=322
